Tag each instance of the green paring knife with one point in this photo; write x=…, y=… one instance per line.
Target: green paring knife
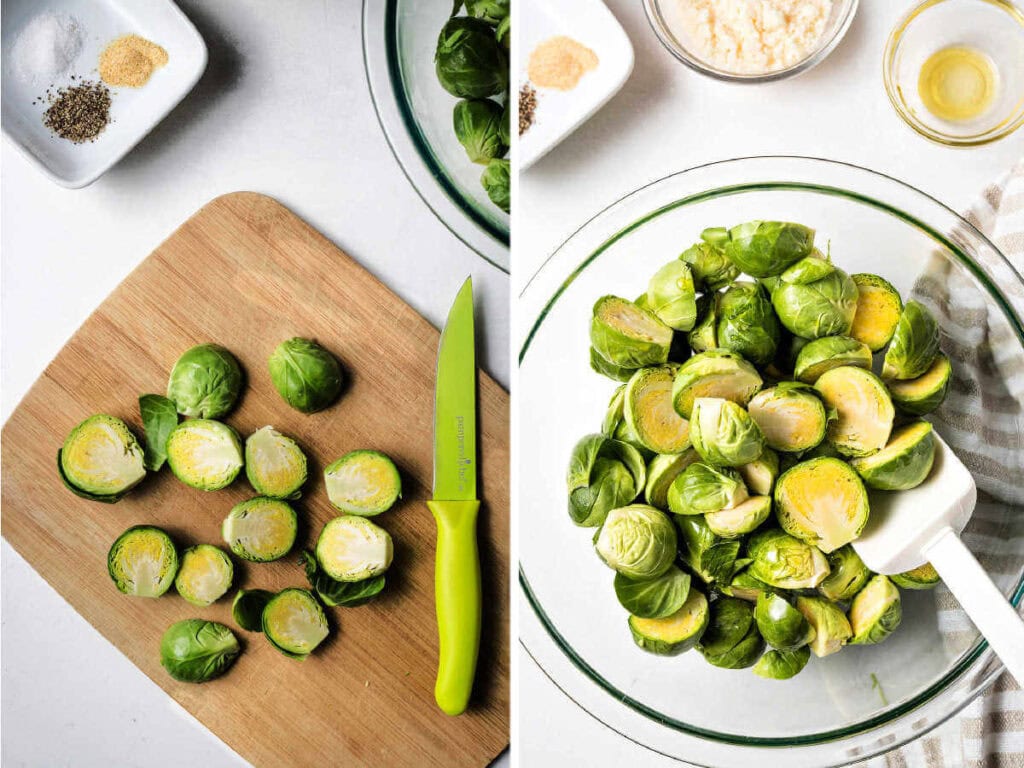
x=455, y=506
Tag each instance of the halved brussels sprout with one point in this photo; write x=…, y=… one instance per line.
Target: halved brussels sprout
x=675, y=633
x=204, y=454
x=745, y=587
x=205, y=382
x=767, y=248
x=637, y=541
x=781, y=625
x=878, y=311
x=746, y=323
x=731, y=639
x=662, y=472
x=702, y=488
x=653, y=598
x=205, y=574
x=923, y=577
x=260, y=529
x=671, y=296
x=274, y=464
x=823, y=307
x=614, y=372
x=713, y=559
x=143, y=561
x=741, y=519
x=715, y=373
x=603, y=474
x=790, y=415
x=863, y=408
x=822, y=502
x=305, y=374
x=195, y=651
x=710, y=266
x=904, y=463
x=649, y=413
x=294, y=622
x=828, y=352
x=704, y=335
x=760, y=474
x=363, y=483
x=627, y=335
x=247, y=608
x=847, y=575
x=782, y=665
x=924, y=394
x=352, y=548
x=159, y=417
x=875, y=612
x=831, y=629
x=101, y=460
x=723, y=433
x=785, y=562
x=914, y=346
x=348, y=594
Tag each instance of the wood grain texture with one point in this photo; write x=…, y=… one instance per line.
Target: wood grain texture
x=246, y=273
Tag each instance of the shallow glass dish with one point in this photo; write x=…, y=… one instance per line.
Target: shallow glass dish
x=994, y=27
x=399, y=38
x=665, y=19
x=865, y=699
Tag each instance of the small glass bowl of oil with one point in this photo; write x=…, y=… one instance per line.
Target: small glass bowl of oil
x=954, y=70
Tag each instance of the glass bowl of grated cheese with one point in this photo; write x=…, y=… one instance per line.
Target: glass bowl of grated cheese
x=744, y=42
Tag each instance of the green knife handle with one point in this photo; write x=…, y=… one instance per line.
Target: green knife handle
x=457, y=591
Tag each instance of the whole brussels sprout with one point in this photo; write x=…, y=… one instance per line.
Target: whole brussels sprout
x=915, y=344
x=746, y=323
x=671, y=296
x=715, y=373
x=305, y=374
x=653, y=598
x=497, y=182
x=768, y=248
x=713, y=559
x=822, y=307
x=740, y=520
x=831, y=628
x=649, y=413
x=477, y=124
x=785, y=562
x=904, y=463
x=723, y=433
x=195, y=651
x=876, y=612
x=491, y=11
x=923, y=577
x=863, y=409
x=828, y=352
x=469, y=61
x=847, y=575
x=790, y=415
x=603, y=474
x=702, y=488
x=878, y=311
x=731, y=639
x=675, y=633
x=205, y=382
x=782, y=665
x=637, y=541
x=760, y=474
x=662, y=471
x=822, y=502
x=628, y=335
x=101, y=460
x=712, y=269
x=924, y=394
x=781, y=625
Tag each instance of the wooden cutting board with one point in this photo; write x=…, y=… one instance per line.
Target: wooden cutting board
x=247, y=273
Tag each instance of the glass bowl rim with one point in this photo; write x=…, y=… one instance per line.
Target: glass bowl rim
x=979, y=652
x=652, y=9
x=1004, y=128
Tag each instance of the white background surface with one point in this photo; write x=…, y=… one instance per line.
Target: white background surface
x=282, y=109
x=668, y=118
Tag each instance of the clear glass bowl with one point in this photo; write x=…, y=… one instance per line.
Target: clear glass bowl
x=995, y=27
x=834, y=712
x=666, y=21
x=399, y=38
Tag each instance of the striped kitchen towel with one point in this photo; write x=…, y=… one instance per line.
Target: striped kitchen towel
x=982, y=420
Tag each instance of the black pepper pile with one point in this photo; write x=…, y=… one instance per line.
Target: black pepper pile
x=527, y=107
x=79, y=112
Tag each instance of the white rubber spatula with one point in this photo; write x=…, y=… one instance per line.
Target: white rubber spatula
x=908, y=528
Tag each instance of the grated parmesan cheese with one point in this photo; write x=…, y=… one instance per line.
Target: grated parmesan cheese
x=754, y=36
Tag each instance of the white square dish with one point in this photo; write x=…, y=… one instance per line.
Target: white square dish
x=559, y=113
x=134, y=111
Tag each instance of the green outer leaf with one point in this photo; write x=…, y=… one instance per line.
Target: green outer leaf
x=782, y=626
x=768, y=248
x=662, y=470
x=914, y=346
x=348, y=594
x=847, y=575
x=900, y=467
x=159, y=417
x=782, y=665
x=785, y=562
x=496, y=180
x=807, y=270
x=922, y=395
x=247, y=608
x=603, y=474
x=747, y=323
x=653, y=598
x=672, y=297
x=195, y=651
x=711, y=268
x=477, y=126
x=614, y=372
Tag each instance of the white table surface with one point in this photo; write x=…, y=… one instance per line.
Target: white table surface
x=665, y=119
x=283, y=109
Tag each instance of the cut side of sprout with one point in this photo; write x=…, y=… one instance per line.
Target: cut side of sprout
x=649, y=412
x=261, y=529
x=791, y=421
x=205, y=574
x=274, y=464
x=101, y=459
x=294, y=622
x=352, y=548
x=822, y=502
x=143, y=561
x=864, y=410
x=204, y=454
x=363, y=483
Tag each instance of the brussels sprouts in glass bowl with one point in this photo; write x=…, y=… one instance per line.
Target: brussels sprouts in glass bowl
x=845, y=700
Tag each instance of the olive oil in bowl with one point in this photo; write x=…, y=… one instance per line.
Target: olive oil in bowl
x=958, y=83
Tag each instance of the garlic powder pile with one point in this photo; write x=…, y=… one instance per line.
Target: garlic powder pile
x=754, y=36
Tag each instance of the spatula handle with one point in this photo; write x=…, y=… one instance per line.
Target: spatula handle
x=457, y=592
x=988, y=608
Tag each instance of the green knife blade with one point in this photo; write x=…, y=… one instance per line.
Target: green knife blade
x=455, y=403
